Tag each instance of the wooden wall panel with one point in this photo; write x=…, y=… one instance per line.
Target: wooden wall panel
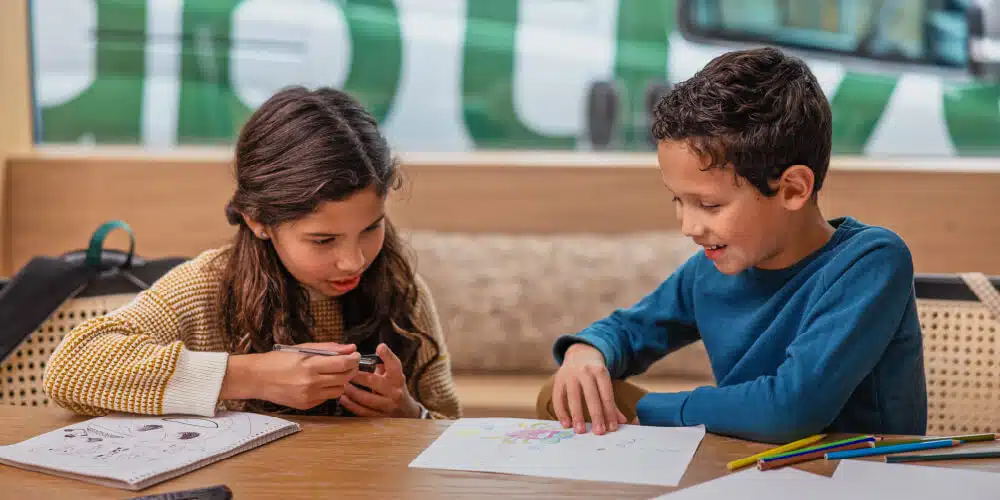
x=15, y=101
x=951, y=221
x=175, y=207
x=543, y=199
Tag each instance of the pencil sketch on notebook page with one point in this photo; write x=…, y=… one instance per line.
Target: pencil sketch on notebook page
x=110, y=442
x=135, y=451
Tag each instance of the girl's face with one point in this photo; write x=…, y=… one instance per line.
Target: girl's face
x=328, y=250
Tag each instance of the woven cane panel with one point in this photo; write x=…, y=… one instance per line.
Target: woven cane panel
x=21, y=372
x=961, y=354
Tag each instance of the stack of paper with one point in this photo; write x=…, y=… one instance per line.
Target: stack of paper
x=778, y=484
x=903, y=481
x=853, y=479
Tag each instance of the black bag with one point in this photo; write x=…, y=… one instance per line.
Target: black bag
x=49, y=296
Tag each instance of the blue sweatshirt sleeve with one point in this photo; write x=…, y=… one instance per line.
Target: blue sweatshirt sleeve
x=839, y=341
x=633, y=338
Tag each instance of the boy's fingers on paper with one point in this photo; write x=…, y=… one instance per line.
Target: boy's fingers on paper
x=607, y=394
x=592, y=395
x=356, y=408
x=559, y=403
x=575, y=403
x=622, y=419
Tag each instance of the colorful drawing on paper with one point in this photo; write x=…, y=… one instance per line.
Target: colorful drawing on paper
x=531, y=434
x=538, y=434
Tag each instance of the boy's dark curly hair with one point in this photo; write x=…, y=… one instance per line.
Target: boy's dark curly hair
x=759, y=110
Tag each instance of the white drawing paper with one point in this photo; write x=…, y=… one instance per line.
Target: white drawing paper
x=632, y=454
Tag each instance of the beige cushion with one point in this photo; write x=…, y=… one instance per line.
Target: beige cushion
x=504, y=299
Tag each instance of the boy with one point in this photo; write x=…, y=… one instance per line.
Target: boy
x=810, y=325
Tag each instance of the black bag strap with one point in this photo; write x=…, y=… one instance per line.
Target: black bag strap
x=45, y=283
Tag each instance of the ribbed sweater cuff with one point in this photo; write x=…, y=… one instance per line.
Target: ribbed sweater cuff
x=195, y=385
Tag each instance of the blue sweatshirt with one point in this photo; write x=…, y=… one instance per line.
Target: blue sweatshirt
x=830, y=344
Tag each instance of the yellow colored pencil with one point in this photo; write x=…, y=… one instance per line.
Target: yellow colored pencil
x=802, y=443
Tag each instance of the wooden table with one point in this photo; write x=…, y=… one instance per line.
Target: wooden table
x=348, y=458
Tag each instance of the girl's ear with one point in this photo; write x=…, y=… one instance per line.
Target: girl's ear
x=258, y=229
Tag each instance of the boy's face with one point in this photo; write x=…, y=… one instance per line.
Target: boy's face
x=736, y=225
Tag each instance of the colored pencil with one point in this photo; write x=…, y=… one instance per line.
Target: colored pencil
x=894, y=442
x=781, y=462
x=899, y=448
x=947, y=456
x=968, y=438
x=743, y=462
x=819, y=447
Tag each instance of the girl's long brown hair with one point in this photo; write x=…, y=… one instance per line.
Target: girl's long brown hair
x=299, y=149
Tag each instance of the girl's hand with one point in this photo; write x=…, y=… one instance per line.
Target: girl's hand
x=292, y=379
x=389, y=396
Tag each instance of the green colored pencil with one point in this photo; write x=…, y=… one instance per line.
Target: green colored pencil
x=967, y=438
x=942, y=456
x=892, y=442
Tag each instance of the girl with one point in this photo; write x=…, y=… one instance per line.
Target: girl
x=314, y=262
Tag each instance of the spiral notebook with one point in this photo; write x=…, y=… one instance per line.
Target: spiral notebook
x=134, y=452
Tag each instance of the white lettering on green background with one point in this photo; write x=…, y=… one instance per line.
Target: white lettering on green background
x=447, y=75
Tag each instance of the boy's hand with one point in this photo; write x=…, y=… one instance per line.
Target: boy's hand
x=583, y=379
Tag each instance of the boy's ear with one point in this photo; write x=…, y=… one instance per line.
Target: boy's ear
x=795, y=187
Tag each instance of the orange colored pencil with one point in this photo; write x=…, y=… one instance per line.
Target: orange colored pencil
x=774, y=464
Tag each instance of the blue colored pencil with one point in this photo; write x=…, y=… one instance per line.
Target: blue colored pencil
x=886, y=450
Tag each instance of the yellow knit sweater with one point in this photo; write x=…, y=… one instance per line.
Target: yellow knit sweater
x=163, y=353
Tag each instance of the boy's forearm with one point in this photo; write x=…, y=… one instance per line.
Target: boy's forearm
x=745, y=411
